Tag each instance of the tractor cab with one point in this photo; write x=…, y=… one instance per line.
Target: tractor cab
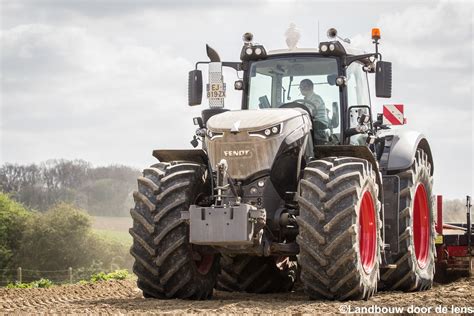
x=329, y=82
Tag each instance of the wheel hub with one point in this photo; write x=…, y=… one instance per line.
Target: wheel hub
x=421, y=226
x=367, y=232
x=203, y=262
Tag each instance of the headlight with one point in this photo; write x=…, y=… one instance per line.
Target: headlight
x=268, y=132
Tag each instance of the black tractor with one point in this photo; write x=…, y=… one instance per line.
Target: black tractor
x=302, y=184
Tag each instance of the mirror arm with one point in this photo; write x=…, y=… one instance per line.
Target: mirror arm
x=232, y=64
x=350, y=59
x=200, y=63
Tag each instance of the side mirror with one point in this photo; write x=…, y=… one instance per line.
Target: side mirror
x=195, y=87
x=359, y=115
x=383, y=79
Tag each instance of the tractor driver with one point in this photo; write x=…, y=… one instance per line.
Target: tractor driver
x=319, y=113
x=314, y=102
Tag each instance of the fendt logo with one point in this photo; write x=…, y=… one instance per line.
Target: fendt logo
x=237, y=153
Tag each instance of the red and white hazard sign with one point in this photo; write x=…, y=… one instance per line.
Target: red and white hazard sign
x=393, y=114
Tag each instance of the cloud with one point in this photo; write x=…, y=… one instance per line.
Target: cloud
x=68, y=83
x=431, y=50
x=436, y=37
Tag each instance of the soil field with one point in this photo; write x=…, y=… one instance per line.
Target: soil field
x=124, y=297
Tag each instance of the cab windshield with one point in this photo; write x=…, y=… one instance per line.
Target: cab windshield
x=305, y=82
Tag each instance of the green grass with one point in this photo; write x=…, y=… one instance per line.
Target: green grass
x=101, y=276
x=116, y=275
x=122, y=237
x=41, y=283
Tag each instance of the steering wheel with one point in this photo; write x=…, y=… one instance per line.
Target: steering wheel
x=294, y=104
x=303, y=101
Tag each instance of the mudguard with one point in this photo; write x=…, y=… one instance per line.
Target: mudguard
x=191, y=155
x=400, y=149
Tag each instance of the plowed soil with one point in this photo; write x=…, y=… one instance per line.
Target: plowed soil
x=124, y=297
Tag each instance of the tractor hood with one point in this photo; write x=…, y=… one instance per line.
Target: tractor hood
x=251, y=140
x=247, y=120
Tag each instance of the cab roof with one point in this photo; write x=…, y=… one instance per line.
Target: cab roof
x=313, y=50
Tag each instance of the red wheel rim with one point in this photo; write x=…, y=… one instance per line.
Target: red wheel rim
x=204, y=264
x=367, y=232
x=421, y=226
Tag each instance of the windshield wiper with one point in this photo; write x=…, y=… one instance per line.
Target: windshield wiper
x=289, y=88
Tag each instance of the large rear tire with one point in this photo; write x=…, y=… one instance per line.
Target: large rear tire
x=339, y=227
x=166, y=264
x=416, y=258
x=256, y=274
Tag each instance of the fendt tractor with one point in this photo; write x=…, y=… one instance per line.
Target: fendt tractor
x=300, y=184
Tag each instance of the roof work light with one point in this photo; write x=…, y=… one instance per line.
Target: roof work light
x=333, y=48
x=250, y=50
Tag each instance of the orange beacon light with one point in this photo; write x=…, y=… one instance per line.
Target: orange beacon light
x=375, y=33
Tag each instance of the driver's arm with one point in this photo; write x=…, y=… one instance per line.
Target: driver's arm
x=319, y=102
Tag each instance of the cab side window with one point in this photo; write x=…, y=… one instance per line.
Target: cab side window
x=357, y=88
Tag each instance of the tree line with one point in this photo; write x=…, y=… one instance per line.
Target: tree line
x=59, y=238
x=102, y=191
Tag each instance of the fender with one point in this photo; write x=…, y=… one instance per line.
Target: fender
x=191, y=155
x=400, y=149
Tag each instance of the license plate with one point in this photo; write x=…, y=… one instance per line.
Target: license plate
x=216, y=90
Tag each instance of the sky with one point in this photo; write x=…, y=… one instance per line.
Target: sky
x=106, y=81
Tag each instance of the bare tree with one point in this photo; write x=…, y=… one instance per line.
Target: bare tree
x=101, y=190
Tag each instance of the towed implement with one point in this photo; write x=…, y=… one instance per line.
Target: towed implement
x=302, y=182
x=454, y=245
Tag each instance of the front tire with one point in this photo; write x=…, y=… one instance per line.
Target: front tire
x=166, y=264
x=416, y=259
x=339, y=226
